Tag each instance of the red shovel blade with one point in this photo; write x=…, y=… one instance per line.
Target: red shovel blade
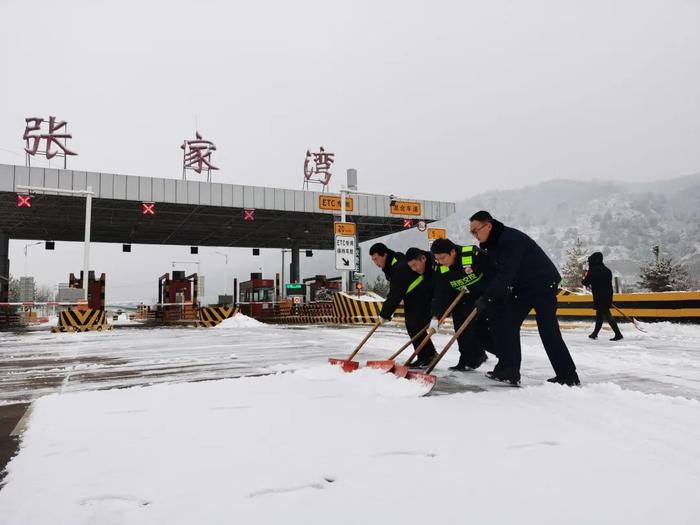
x=386, y=366
x=348, y=366
x=400, y=370
x=428, y=380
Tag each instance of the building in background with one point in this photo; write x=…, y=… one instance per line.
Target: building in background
x=26, y=289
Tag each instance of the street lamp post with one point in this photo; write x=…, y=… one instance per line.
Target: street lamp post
x=26, y=247
x=88, y=194
x=226, y=273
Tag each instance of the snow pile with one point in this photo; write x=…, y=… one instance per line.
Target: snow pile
x=319, y=446
x=52, y=320
x=239, y=321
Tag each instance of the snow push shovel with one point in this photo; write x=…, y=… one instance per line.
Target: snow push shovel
x=348, y=364
x=426, y=377
x=631, y=319
x=388, y=364
x=402, y=370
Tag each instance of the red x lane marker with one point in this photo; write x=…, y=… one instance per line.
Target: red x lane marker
x=24, y=201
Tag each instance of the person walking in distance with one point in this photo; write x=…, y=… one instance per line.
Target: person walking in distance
x=599, y=279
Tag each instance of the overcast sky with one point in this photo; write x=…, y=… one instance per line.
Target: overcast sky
x=437, y=100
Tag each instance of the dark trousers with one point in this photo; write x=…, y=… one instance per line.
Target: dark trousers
x=415, y=321
x=507, y=331
x=603, y=314
x=475, y=339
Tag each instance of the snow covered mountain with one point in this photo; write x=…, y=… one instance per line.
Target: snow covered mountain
x=621, y=220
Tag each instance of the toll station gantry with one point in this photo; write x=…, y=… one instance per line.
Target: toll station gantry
x=129, y=209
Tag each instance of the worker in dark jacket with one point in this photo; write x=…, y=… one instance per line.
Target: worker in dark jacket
x=462, y=267
x=414, y=289
x=525, y=278
x=599, y=279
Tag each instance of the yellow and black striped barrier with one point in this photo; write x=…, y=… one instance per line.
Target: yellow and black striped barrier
x=659, y=306
x=209, y=316
x=347, y=309
x=81, y=319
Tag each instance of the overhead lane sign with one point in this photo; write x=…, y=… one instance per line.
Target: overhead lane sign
x=332, y=203
x=406, y=208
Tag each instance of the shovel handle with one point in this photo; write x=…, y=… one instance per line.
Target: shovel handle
x=456, y=335
x=406, y=345
x=362, y=343
x=630, y=319
x=430, y=333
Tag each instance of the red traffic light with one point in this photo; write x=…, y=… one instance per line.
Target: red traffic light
x=148, y=208
x=24, y=201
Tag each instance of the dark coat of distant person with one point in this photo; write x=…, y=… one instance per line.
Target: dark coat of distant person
x=599, y=278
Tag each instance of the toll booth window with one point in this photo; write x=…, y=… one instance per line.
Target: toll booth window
x=264, y=295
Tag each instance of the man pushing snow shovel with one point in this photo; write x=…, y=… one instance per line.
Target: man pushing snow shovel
x=415, y=289
x=462, y=267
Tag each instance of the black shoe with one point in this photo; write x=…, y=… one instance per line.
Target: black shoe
x=476, y=363
x=618, y=337
x=593, y=336
x=424, y=360
x=418, y=364
x=505, y=374
x=568, y=380
x=458, y=368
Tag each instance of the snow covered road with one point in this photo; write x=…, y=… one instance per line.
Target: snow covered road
x=313, y=445
x=664, y=360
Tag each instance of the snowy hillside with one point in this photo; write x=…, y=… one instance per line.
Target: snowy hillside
x=623, y=221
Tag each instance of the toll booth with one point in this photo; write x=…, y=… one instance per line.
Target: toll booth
x=296, y=292
x=177, y=297
x=257, y=296
x=96, y=289
x=322, y=288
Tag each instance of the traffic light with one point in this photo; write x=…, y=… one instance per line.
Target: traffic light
x=24, y=200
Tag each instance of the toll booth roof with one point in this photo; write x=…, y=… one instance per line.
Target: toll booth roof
x=192, y=213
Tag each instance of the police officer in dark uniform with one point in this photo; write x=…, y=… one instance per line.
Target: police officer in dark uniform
x=526, y=278
x=416, y=291
x=462, y=267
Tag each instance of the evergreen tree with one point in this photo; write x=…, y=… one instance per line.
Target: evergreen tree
x=575, y=265
x=380, y=286
x=13, y=292
x=662, y=275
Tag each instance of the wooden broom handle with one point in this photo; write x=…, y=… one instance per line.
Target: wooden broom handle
x=362, y=343
x=430, y=333
x=459, y=332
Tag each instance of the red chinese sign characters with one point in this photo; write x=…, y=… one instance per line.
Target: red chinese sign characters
x=197, y=156
x=57, y=130
x=318, y=164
